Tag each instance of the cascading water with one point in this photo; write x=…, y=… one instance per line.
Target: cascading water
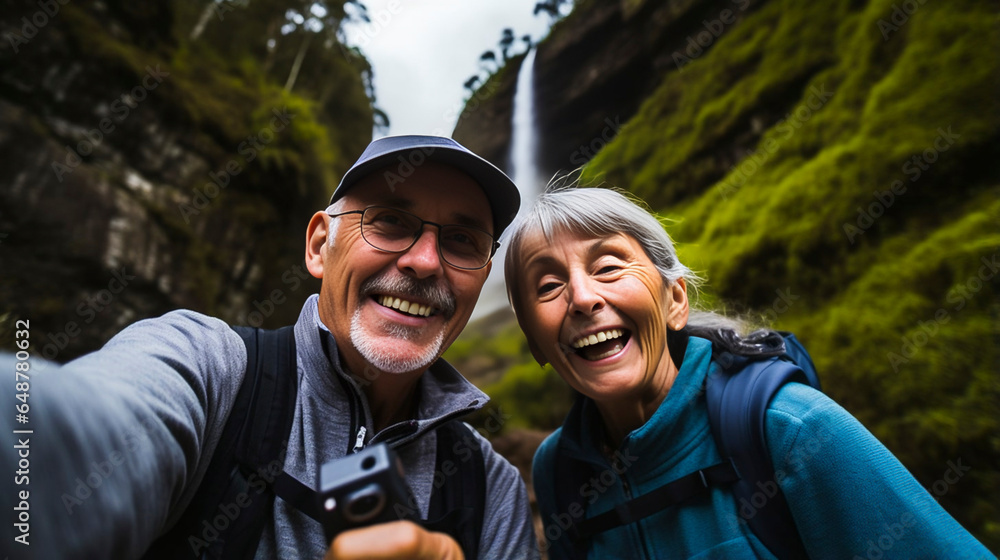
x=524, y=173
x=523, y=137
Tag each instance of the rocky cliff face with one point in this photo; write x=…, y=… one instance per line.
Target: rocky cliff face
x=485, y=123
x=136, y=178
x=593, y=72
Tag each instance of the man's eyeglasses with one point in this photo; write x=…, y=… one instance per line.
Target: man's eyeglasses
x=394, y=231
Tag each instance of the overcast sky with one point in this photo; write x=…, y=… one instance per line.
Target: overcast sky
x=422, y=51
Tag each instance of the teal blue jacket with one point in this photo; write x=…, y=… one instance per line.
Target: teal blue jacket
x=850, y=497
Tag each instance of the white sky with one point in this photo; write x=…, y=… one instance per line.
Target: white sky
x=422, y=51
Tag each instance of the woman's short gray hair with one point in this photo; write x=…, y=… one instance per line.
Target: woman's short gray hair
x=596, y=212
x=600, y=212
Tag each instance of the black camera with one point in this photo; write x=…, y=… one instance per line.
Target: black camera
x=362, y=489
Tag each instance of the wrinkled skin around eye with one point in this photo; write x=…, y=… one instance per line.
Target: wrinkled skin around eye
x=653, y=334
x=650, y=324
x=574, y=285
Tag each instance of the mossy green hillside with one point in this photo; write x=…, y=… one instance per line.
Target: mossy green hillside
x=911, y=348
x=869, y=196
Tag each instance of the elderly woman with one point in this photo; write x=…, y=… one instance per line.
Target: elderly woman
x=598, y=291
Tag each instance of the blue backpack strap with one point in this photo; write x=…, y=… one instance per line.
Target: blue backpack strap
x=798, y=355
x=253, y=441
x=458, y=505
x=739, y=391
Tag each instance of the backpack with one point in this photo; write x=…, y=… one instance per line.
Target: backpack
x=227, y=515
x=738, y=394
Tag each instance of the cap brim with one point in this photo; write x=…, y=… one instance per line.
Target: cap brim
x=385, y=152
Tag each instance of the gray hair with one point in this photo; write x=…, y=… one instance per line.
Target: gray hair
x=597, y=213
x=334, y=222
x=600, y=212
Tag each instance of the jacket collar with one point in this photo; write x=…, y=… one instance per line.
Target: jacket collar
x=674, y=426
x=443, y=392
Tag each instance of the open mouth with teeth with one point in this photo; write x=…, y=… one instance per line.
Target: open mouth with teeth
x=601, y=345
x=404, y=306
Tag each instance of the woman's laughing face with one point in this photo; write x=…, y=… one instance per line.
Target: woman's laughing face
x=597, y=310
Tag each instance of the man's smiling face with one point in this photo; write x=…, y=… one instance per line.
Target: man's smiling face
x=361, y=284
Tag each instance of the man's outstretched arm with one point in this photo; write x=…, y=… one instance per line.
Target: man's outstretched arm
x=120, y=437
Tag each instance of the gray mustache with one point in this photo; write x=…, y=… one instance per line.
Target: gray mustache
x=429, y=291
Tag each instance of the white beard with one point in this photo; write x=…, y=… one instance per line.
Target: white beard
x=383, y=357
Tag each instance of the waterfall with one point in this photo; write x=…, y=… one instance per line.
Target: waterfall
x=523, y=137
x=524, y=174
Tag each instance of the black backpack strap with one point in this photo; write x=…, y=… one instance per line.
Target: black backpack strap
x=659, y=499
x=265, y=434
x=228, y=512
x=457, y=505
x=738, y=396
x=569, y=476
x=300, y=496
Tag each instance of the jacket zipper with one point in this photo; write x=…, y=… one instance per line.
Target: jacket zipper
x=359, y=441
x=637, y=523
x=357, y=424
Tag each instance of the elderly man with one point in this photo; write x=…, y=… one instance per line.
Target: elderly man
x=403, y=252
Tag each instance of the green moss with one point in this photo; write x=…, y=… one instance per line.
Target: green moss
x=502, y=366
x=231, y=100
x=530, y=397
x=807, y=206
x=910, y=348
x=493, y=84
x=90, y=37
x=508, y=343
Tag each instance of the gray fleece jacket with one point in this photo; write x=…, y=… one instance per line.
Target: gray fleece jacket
x=121, y=439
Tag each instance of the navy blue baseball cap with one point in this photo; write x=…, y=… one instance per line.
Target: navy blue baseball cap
x=407, y=152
